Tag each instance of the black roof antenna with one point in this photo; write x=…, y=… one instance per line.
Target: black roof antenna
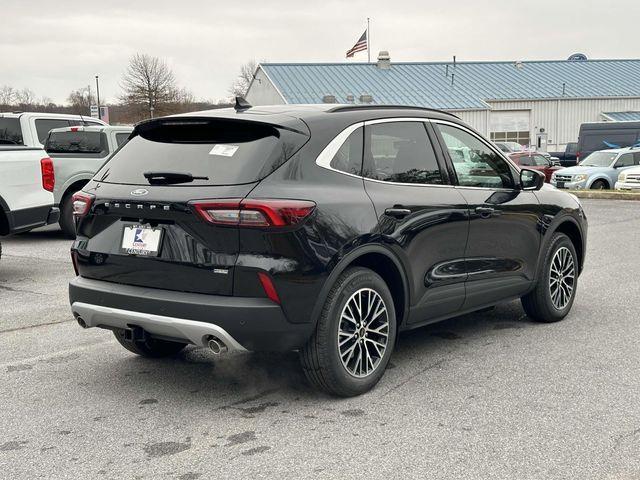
x=241, y=104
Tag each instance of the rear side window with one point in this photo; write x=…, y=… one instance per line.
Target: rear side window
x=604, y=140
x=81, y=144
x=121, y=138
x=400, y=152
x=227, y=152
x=348, y=158
x=44, y=125
x=625, y=160
x=10, y=131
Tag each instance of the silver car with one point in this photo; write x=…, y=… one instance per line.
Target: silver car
x=598, y=171
x=77, y=153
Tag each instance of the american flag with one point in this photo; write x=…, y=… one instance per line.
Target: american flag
x=360, y=45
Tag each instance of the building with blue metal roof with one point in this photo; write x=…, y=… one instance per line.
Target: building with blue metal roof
x=538, y=103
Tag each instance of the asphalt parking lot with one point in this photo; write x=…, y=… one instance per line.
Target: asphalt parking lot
x=488, y=395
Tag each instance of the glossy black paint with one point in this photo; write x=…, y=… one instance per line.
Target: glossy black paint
x=453, y=249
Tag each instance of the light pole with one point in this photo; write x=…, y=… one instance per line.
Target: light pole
x=98, y=95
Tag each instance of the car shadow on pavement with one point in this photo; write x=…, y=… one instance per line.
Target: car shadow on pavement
x=197, y=375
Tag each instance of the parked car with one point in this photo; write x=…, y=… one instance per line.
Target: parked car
x=325, y=229
x=598, y=171
x=27, y=180
x=31, y=128
x=629, y=179
x=509, y=147
x=598, y=136
x=77, y=153
x=535, y=161
x=567, y=158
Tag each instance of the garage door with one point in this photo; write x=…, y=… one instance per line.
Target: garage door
x=510, y=126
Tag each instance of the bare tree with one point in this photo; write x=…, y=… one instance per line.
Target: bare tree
x=148, y=81
x=7, y=95
x=81, y=100
x=25, y=97
x=241, y=84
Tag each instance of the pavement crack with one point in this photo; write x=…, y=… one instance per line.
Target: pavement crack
x=20, y=290
x=411, y=377
x=28, y=327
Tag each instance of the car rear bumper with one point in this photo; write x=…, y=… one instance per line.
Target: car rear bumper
x=242, y=323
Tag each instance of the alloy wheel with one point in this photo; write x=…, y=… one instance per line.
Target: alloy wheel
x=363, y=332
x=562, y=278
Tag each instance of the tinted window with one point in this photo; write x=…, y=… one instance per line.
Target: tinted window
x=43, y=126
x=400, y=152
x=349, y=158
x=91, y=144
x=10, y=131
x=604, y=140
x=227, y=152
x=625, y=160
x=121, y=138
x=481, y=166
x=571, y=148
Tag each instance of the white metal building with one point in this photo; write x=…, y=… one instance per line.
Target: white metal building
x=540, y=103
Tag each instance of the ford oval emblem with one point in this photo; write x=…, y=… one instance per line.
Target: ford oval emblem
x=138, y=192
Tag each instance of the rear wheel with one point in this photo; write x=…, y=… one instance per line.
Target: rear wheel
x=66, y=217
x=555, y=292
x=600, y=185
x=350, y=349
x=150, y=347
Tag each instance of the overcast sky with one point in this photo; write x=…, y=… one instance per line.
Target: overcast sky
x=55, y=47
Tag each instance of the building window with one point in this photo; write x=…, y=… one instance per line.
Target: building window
x=523, y=138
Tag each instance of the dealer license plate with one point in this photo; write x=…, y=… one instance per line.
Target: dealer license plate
x=141, y=240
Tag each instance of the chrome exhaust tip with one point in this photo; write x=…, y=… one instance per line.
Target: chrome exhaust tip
x=217, y=346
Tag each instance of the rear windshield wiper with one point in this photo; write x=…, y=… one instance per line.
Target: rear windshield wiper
x=171, y=177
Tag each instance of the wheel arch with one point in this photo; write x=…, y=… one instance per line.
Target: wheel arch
x=571, y=228
x=73, y=187
x=602, y=177
x=382, y=261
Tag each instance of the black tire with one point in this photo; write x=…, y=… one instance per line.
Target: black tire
x=538, y=304
x=151, y=348
x=600, y=185
x=320, y=357
x=66, y=222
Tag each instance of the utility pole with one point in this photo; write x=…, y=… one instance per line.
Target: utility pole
x=98, y=95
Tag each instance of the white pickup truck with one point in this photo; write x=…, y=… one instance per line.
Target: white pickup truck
x=77, y=154
x=27, y=177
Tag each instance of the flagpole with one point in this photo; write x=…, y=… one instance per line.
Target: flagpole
x=368, y=43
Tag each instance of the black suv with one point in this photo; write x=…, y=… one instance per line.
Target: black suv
x=325, y=229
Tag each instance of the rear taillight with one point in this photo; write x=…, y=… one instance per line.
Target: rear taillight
x=254, y=212
x=48, y=177
x=81, y=203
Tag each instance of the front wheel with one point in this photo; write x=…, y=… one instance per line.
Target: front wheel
x=552, y=298
x=350, y=349
x=599, y=185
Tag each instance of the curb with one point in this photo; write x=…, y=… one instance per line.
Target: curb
x=606, y=194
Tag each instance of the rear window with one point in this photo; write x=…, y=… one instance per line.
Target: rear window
x=225, y=151
x=10, y=131
x=83, y=144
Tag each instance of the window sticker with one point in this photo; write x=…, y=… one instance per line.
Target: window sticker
x=224, y=150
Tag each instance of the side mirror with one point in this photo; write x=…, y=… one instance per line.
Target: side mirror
x=531, y=179
x=555, y=163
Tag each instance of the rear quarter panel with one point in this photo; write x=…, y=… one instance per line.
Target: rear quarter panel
x=21, y=178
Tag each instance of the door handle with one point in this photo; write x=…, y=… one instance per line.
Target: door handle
x=397, y=212
x=485, y=212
